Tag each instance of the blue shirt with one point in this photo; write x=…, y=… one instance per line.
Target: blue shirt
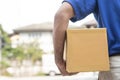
x=106, y=12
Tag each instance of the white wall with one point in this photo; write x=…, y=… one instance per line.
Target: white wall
x=44, y=39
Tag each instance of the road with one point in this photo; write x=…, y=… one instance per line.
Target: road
x=48, y=78
x=75, y=77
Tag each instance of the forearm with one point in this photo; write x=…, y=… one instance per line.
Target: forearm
x=60, y=26
x=61, y=21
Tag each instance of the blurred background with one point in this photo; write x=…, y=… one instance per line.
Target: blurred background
x=26, y=45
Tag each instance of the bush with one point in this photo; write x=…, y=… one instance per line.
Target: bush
x=3, y=66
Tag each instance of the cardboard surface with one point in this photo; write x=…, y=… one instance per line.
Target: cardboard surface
x=87, y=50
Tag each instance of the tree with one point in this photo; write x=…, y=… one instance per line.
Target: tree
x=4, y=35
x=5, y=47
x=32, y=51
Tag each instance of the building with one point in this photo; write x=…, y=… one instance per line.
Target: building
x=40, y=33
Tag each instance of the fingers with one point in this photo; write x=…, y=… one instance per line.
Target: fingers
x=73, y=73
x=62, y=68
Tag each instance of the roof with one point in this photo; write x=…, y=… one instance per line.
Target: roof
x=35, y=27
x=47, y=26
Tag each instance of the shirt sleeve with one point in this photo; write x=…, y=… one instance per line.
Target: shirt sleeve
x=81, y=8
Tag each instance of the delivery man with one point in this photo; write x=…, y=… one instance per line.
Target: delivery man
x=107, y=14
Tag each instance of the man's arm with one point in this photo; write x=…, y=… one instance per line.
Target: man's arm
x=61, y=21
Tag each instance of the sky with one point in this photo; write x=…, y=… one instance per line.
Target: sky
x=18, y=13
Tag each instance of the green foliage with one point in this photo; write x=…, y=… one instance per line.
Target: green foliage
x=22, y=52
x=18, y=54
x=14, y=53
x=32, y=51
x=5, y=73
x=40, y=74
x=4, y=64
x=4, y=35
x=25, y=51
x=7, y=51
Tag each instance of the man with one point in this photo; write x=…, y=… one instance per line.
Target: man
x=107, y=14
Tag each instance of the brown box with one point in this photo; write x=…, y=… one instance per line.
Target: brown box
x=87, y=50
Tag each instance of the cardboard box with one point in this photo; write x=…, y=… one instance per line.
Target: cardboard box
x=87, y=50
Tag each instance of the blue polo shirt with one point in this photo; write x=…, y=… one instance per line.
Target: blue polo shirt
x=106, y=12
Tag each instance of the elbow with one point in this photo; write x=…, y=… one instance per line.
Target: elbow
x=61, y=21
x=64, y=14
x=61, y=17
x=57, y=15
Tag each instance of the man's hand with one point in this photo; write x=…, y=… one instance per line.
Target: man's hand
x=62, y=67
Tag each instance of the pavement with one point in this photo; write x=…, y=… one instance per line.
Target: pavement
x=48, y=78
x=59, y=77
